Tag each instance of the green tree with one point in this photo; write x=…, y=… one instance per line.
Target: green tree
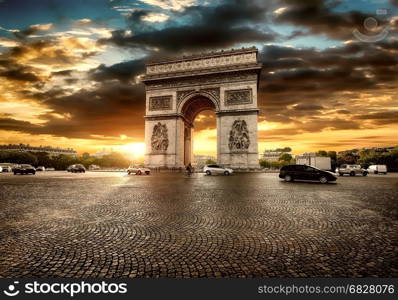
x=17, y=157
x=43, y=159
x=285, y=149
x=264, y=163
x=114, y=159
x=210, y=162
x=286, y=157
x=275, y=164
x=347, y=157
x=321, y=153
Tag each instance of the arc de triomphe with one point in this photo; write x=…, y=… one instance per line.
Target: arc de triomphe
x=178, y=89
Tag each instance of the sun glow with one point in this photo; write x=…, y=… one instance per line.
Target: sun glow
x=134, y=150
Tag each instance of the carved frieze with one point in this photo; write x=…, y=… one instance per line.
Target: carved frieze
x=160, y=103
x=160, y=138
x=237, y=97
x=239, y=140
x=203, y=63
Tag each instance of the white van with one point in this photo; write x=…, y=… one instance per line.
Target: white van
x=377, y=169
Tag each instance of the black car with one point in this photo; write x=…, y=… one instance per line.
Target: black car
x=78, y=168
x=24, y=169
x=304, y=172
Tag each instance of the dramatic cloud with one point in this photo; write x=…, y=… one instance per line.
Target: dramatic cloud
x=22, y=34
x=110, y=110
x=79, y=74
x=319, y=17
x=209, y=27
x=124, y=71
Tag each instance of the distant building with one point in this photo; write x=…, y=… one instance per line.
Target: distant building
x=310, y=159
x=273, y=155
x=199, y=161
x=52, y=151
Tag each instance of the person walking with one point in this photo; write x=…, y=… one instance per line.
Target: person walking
x=189, y=169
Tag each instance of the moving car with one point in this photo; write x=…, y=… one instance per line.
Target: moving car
x=138, y=170
x=216, y=169
x=303, y=172
x=40, y=168
x=24, y=169
x=351, y=170
x=1, y=169
x=78, y=168
x=377, y=169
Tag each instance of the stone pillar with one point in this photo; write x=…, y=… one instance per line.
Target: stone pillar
x=237, y=140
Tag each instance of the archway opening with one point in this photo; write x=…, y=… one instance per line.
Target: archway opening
x=200, y=133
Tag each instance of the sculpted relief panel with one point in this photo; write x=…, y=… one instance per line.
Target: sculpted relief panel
x=236, y=97
x=160, y=103
x=160, y=138
x=239, y=136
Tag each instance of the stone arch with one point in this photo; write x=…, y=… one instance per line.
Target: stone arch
x=194, y=95
x=178, y=89
x=192, y=105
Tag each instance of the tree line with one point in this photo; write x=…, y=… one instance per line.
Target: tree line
x=62, y=161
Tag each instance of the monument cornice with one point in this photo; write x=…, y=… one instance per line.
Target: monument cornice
x=202, y=56
x=203, y=72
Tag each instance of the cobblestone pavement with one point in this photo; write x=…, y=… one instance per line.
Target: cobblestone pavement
x=57, y=224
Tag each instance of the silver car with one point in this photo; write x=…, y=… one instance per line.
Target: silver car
x=351, y=170
x=216, y=169
x=138, y=170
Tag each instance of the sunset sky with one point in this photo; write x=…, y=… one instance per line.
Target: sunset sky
x=69, y=70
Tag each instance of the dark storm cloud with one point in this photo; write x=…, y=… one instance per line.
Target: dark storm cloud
x=208, y=27
x=13, y=71
x=124, y=71
x=300, y=83
x=380, y=118
x=136, y=20
x=62, y=73
x=319, y=18
x=110, y=110
x=17, y=125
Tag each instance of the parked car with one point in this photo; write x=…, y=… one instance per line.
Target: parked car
x=24, y=169
x=377, y=169
x=303, y=172
x=5, y=169
x=351, y=170
x=138, y=170
x=40, y=168
x=78, y=168
x=50, y=169
x=216, y=169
